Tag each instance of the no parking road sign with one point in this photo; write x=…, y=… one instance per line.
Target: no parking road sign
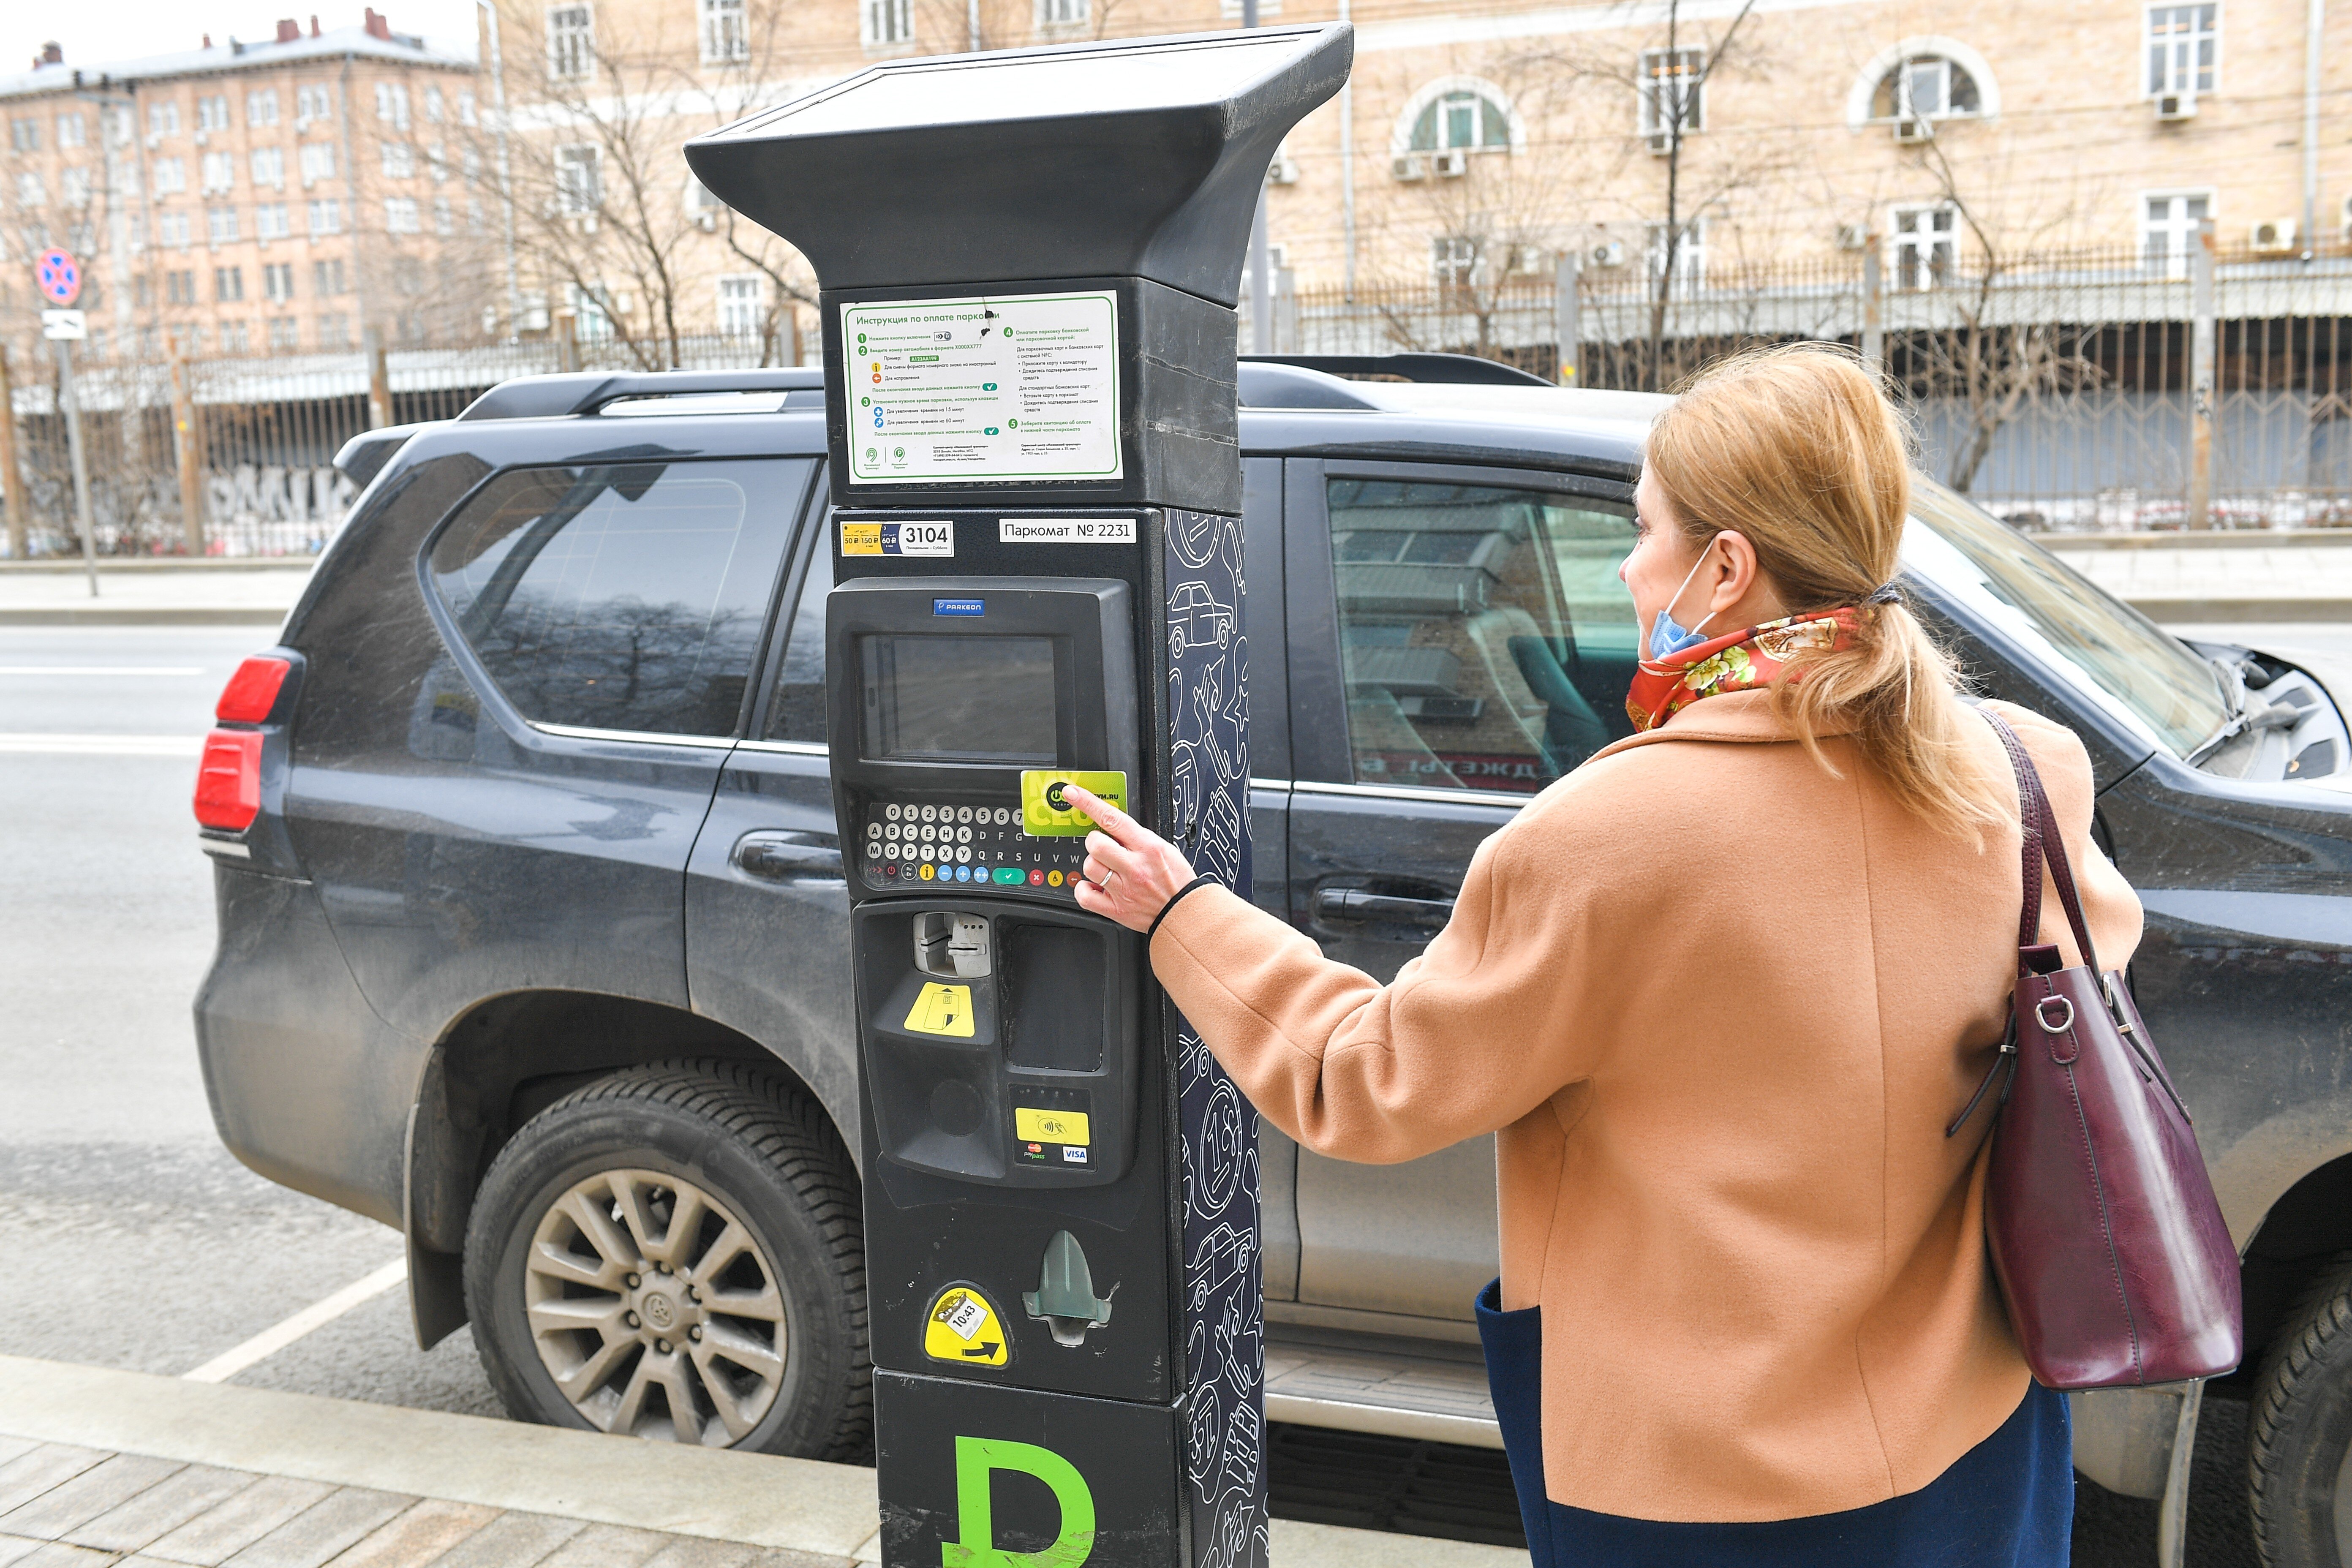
x=60, y=277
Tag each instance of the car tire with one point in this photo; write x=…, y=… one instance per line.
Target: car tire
x=1176, y=642
x=680, y=1237
x=2299, y=1439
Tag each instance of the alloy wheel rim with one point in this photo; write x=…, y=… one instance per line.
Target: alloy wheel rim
x=655, y=1310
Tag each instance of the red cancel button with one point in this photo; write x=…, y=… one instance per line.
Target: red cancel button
x=1037, y=878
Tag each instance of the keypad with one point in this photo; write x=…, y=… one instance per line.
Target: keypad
x=966, y=845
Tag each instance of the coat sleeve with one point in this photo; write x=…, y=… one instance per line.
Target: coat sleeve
x=2110, y=908
x=1468, y=1038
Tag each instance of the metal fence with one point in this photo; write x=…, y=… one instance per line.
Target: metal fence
x=244, y=448
x=2083, y=390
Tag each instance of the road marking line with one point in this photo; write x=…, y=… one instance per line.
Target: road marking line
x=317, y=1315
x=103, y=745
x=100, y=670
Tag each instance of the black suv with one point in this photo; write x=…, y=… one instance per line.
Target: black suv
x=532, y=922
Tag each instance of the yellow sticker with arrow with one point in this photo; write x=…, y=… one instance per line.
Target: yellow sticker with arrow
x=962, y=1328
x=941, y=1010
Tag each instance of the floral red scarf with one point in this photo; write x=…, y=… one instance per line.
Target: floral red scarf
x=1736, y=661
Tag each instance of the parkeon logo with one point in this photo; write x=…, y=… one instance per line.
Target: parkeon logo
x=975, y=1458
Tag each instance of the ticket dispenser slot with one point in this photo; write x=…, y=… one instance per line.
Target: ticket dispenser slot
x=1001, y=1024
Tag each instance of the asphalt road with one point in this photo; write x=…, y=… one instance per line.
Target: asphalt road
x=137, y=1243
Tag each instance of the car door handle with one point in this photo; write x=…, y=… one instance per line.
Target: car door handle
x=781, y=855
x=1355, y=904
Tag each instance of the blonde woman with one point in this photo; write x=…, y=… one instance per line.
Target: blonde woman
x=1718, y=992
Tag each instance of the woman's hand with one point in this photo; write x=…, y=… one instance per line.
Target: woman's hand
x=1130, y=871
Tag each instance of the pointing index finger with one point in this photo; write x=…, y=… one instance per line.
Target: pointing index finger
x=1101, y=811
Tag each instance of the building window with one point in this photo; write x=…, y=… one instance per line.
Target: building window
x=221, y=223
x=2168, y=226
x=73, y=186
x=234, y=339
x=212, y=112
x=1690, y=252
x=741, y=314
x=1456, y=261
x=571, y=43
x=469, y=164
x=1457, y=115
x=311, y=103
x=228, y=285
x=437, y=162
x=261, y=107
x=180, y=287
x=269, y=222
x=591, y=314
x=25, y=135
x=162, y=120
x=886, y=22
x=432, y=102
x=170, y=176
x=579, y=184
x=444, y=219
x=334, y=331
x=391, y=104
x=473, y=216
x=465, y=106
x=269, y=167
x=726, y=35
x=326, y=217
x=1673, y=84
x=1053, y=14
x=30, y=191
x=219, y=172
x=70, y=133
x=278, y=280
x=284, y=336
x=400, y=215
x=174, y=231
x=327, y=279
x=2182, y=41
x=318, y=161
x=1924, y=240
x=399, y=159
x=1927, y=87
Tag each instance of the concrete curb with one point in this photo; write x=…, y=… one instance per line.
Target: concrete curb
x=141, y=616
x=140, y=566
x=796, y=1504
x=2171, y=611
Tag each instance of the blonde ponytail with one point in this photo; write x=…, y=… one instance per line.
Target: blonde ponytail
x=1797, y=449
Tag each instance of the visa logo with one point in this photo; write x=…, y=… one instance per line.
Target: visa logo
x=959, y=606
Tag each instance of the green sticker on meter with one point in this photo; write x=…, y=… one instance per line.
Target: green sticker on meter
x=1048, y=813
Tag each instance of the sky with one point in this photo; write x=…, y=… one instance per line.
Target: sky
x=96, y=31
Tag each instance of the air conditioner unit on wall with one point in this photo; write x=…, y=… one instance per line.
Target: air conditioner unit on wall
x=1450, y=164
x=2271, y=238
x=707, y=221
x=2175, y=106
x=1608, y=253
x=1853, y=237
x=1408, y=167
x=1283, y=171
x=1661, y=143
x=1914, y=130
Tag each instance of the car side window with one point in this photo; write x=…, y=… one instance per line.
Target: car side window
x=797, y=713
x=620, y=596
x=1485, y=641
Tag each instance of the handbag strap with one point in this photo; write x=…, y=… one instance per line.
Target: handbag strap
x=2043, y=841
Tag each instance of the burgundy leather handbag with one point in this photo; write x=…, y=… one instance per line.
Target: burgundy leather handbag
x=2104, y=1234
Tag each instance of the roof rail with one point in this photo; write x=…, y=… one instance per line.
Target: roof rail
x=585, y=392
x=1458, y=370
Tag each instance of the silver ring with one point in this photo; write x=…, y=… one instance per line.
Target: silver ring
x=2042, y=1018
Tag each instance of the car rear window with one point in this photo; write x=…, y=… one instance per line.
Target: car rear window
x=625, y=596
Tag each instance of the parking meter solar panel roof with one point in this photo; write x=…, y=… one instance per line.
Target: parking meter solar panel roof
x=1134, y=158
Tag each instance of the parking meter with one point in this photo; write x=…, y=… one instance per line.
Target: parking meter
x=1029, y=265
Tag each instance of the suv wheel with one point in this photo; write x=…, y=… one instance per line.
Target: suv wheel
x=2300, y=1462
x=675, y=1252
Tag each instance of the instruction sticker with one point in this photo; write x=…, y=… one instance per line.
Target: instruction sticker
x=1065, y=530
x=946, y=391
x=898, y=538
x=1048, y=813
x=941, y=1010
x=961, y=1328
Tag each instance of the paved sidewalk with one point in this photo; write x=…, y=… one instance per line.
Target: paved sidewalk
x=2238, y=583
x=99, y=1467
x=141, y=592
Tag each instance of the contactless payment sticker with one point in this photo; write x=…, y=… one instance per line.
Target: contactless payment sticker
x=898, y=538
x=961, y=1328
x=1048, y=813
x=1033, y=1126
x=941, y=1010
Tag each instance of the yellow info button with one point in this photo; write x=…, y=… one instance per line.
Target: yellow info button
x=1049, y=1126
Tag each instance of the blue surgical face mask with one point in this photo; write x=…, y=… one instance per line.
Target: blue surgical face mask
x=1666, y=633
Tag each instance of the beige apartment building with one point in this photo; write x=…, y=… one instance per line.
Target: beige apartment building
x=1483, y=139
x=239, y=198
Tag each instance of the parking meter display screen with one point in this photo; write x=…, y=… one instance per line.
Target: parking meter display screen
x=960, y=699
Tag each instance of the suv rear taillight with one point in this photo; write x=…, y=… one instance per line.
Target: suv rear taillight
x=252, y=691
x=228, y=778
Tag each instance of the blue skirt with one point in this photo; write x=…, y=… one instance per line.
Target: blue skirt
x=2008, y=1502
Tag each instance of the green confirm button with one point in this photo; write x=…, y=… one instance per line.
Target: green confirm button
x=1006, y=876
x=1048, y=813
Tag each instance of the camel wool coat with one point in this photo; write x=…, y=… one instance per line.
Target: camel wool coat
x=1719, y=1005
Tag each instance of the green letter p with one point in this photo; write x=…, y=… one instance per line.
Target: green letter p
x=975, y=1458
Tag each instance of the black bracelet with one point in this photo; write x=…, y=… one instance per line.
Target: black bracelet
x=1203, y=880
